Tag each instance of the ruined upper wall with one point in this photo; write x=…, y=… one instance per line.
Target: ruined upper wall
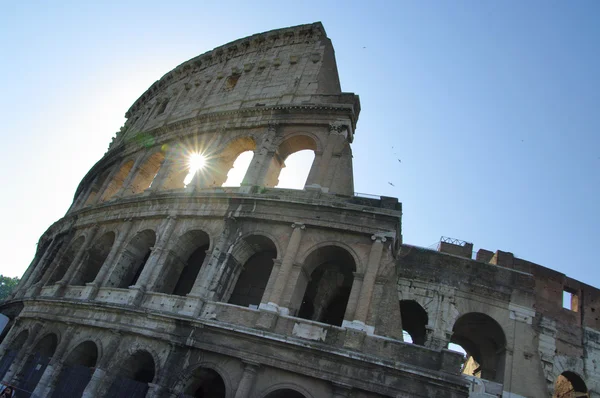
x=294, y=65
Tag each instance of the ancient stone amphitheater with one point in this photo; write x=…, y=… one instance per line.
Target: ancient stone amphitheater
x=161, y=282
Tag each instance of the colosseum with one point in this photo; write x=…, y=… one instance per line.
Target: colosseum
x=162, y=280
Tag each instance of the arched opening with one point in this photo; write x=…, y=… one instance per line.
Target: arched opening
x=285, y=393
x=184, y=262
x=94, y=259
x=178, y=170
x=132, y=260
x=11, y=352
x=485, y=344
x=236, y=174
x=256, y=253
x=134, y=375
x=414, y=321
x=65, y=261
x=53, y=249
x=146, y=174
x=96, y=187
x=77, y=371
x=570, y=385
x=36, y=364
x=117, y=182
x=295, y=158
x=326, y=296
x=205, y=383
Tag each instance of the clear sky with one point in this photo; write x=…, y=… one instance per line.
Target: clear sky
x=484, y=115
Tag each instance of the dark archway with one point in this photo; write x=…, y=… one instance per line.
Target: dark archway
x=414, y=321
x=570, y=385
x=132, y=260
x=65, y=261
x=11, y=352
x=184, y=262
x=485, y=344
x=134, y=375
x=326, y=296
x=205, y=383
x=77, y=371
x=257, y=256
x=285, y=393
x=94, y=259
x=36, y=364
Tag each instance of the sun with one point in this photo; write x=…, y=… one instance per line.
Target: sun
x=197, y=161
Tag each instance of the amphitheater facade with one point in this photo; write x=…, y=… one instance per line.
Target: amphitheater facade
x=159, y=282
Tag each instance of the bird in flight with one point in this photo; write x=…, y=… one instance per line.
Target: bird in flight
x=391, y=184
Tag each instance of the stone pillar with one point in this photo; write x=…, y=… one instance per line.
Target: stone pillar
x=271, y=281
x=101, y=379
x=163, y=173
x=286, y=267
x=366, y=290
x=354, y=296
x=22, y=355
x=312, y=181
x=325, y=166
x=247, y=381
x=263, y=155
x=153, y=267
x=132, y=174
x=295, y=289
x=78, y=261
x=50, y=376
x=106, y=183
x=109, y=263
x=37, y=287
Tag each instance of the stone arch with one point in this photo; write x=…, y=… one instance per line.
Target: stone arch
x=12, y=350
x=205, y=379
x=178, y=167
x=64, y=262
x=136, y=371
x=77, y=370
x=414, y=320
x=570, y=385
x=221, y=163
x=357, y=261
x=295, y=391
x=36, y=363
x=290, y=145
x=331, y=273
x=146, y=173
x=117, y=181
x=484, y=341
x=184, y=261
x=254, y=255
x=133, y=259
x=94, y=258
x=97, y=185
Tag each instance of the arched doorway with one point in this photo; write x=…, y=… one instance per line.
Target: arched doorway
x=65, y=261
x=570, y=385
x=11, y=352
x=77, y=371
x=94, y=259
x=285, y=393
x=414, y=321
x=134, y=375
x=132, y=260
x=36, y=364
x=483, y=340
x=256, y=253
x=204, y=383
x=331, y=275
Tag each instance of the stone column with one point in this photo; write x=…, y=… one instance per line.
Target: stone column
x=101, y=379
x=132, y=174
x=366, y=290
x=93, y=287
x=336, y=139
x=163, y=173
x=286, y=267
x=247, y=381
x=153, y=267
x=263, y=155
x=271, y=281
x=312, y=181
x=22, y=355
x=354, y=296
x=78, y=260
x=50, y=376
x=106, y=183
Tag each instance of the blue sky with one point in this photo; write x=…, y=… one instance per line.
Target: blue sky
x=492, y=108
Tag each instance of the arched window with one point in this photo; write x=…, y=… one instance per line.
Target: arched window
x=117, y=182
x=53, y=248
x=236, y=174
x=285, y=393
x=146, y=174
x=184, y=262
x=11, y=352
x=570, y=385
x=292, y=163
x=228, y=167
x=205, y=383
x=256, y=253
x=133, y=377
x=94, y=259
x=132, y=260
x=414, y=321
x=484, y=341
x=65, y=261
x=36, y=364
x=96, y=187
x=331, y=275
x=76, y=371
